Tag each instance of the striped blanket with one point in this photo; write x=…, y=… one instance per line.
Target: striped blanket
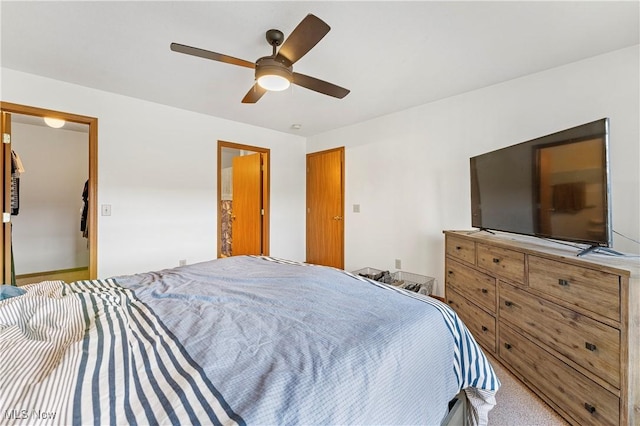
x=90, y=352
x=242, y=340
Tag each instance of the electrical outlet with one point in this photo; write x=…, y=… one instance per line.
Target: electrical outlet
x=182, y=262
x=398, y=264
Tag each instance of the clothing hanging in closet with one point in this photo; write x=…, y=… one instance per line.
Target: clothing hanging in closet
x=16, y=170
x=85, y=210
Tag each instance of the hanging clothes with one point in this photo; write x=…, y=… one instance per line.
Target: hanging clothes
x=16, y=169
x=84, y=228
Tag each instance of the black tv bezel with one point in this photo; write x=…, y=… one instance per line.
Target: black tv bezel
x=595, y=129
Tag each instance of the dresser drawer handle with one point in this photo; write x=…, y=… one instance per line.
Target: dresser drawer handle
x=563, y=282
x=496, y=260
x=508, y=303
x=590, y=408
x=484, y=290
x=450, y=272
x=458, y=248
x=507, y=345
x=485, y=329
x=590, y=346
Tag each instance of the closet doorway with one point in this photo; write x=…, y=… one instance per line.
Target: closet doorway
x=49, y=196
x=243, y=200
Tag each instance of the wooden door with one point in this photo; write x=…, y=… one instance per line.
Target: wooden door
x=247, y=210
x=325, y=208
x=5, y=170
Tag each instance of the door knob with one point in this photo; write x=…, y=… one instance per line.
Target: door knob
x=337, y=218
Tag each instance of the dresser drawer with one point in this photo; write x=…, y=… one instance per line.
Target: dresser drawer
x=481, y=325
x=584, y=400
x=472, y=284
x=589, y=343
x=504, y=262
x=594, y=290
x=461, y=249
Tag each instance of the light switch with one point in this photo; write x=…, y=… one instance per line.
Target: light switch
x=356, y=208
x=106, y=210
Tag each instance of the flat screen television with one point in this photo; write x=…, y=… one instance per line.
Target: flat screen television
x=556, y=187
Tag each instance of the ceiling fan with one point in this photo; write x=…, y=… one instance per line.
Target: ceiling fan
x=275, y=72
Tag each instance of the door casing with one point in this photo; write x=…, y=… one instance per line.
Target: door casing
x=266, y=169
x=92, y=217
x=5, y=201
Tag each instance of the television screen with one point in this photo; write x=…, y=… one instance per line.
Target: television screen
x=555, y=186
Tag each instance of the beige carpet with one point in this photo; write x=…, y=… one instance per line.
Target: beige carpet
x=517, y=405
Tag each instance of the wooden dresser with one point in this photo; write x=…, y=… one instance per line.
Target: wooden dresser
x=567, y=326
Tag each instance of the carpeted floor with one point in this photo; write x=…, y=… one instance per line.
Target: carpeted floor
x=517, y=405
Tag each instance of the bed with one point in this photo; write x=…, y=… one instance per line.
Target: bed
x=238, y=340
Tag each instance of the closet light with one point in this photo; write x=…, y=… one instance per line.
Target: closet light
x=56, y=123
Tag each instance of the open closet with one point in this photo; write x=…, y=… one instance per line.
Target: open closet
x=48, y=195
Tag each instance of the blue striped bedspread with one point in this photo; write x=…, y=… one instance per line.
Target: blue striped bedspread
x=92, y=353
x=241, y=340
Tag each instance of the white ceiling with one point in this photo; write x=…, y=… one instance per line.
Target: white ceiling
x=391, y=55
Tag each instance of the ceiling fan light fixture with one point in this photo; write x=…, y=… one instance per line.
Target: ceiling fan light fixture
x=274, y=83
x=273, y=75
x=275, y=72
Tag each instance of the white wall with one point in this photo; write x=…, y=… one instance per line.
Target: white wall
x=409, y=171
x=157, y=169
x=46, y=232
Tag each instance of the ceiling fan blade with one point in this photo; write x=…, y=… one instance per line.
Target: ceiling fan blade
x=319, y=86
x=207, y=54
x=254, y=94
x=302, y=39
